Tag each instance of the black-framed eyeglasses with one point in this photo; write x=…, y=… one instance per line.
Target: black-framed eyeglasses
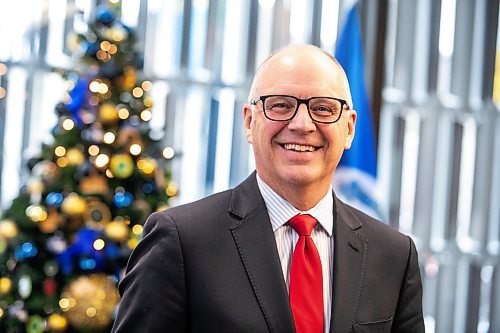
x=325, y=110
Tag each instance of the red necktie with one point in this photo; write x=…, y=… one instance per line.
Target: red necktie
x=306, y=279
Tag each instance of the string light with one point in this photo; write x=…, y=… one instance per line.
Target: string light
x=3, y=69
x=64, y=304
x=60, y=151
x=99, y=244
x=103, y=88
x=62, y=162
x=171, y=190
x=147, y=165
x=147, y=85
x=135, y=149
x=93, y=100
x=137, y=92
x=168, y=152
x=91, y=312
x=146, y=115
x=118, y=35
x=68, y=124
x=109, y=138
x=112, y=49
x=103, y=55
x=93, y=150
x=132, y=243
x=105, y=45
x=94, y=86
x=109, y=174
x=36, y=213
x=137, y=229
x=148, y=102
x=3, y=92
x=123, y=113
x=101, y=160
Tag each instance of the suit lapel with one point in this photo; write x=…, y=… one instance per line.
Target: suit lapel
x=350, y=253
x=254, y=238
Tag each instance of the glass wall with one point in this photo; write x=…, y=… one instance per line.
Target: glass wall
x=430, y=68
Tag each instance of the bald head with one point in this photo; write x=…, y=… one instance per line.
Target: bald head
x=296, y=61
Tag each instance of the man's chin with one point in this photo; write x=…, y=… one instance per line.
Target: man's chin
x=300, y=176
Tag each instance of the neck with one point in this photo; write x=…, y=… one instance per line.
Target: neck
x=302, y=197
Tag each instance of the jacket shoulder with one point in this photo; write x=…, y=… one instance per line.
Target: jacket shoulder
x=203, y=208
x=374, y=230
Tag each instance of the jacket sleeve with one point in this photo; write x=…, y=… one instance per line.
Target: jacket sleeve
x=153, y=289
x=409, y=317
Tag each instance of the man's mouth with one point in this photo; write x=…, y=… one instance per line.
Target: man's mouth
x=299, y=148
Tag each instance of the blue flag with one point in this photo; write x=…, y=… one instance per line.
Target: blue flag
x=355, y=178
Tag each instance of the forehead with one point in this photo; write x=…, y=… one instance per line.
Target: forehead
x=301, y=72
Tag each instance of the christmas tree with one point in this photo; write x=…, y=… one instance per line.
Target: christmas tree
x=65, y=239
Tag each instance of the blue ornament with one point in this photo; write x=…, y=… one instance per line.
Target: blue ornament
x=54, y=199
x=123, y=199
x=87, y=264
x=78, y=96
x=82, y=251
x=111, y=250
x=148, y=188
x=126, y=27
x=26, y=250
x=104, y=15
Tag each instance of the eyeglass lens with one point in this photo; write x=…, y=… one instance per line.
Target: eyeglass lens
x=321, y=109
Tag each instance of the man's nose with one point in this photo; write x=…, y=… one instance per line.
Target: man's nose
x=302, y=121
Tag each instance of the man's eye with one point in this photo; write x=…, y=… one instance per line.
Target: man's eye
x=324, y=110
x=280, y=106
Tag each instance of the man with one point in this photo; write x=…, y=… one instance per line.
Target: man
x=243, y=261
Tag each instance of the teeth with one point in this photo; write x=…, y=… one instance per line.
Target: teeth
x=292, y=146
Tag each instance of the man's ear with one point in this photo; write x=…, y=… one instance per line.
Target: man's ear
x=247, y=113
x=351, y=128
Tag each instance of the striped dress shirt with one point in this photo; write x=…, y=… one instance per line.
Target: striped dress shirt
x=280, y=212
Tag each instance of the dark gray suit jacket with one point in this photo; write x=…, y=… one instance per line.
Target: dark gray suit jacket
x=213, y=266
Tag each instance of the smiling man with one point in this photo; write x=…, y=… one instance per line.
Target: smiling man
x=278, y=253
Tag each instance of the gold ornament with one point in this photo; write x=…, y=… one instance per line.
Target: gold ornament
x=74, y=156
x=117, y=231
x=129, y=78
x=128, y=136
x=162, y=206
x=160, y=178
x=8, y=229
x=73, y=43
x=53, y=221
x=89, y=301
x=35, y=186
x=57, y=323
x=74, y=205
x=94, y=184
x=36, y=213
x=142, y=206
x=108, y=113
x=171, y=190
x=5, y=285
x=47, y=171
x=122, y=165
x=97, y=215
x=147, y=166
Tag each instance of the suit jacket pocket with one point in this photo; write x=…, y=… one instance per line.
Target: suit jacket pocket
x=381, y=326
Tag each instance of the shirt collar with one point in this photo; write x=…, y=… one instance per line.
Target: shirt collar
x=281, y=211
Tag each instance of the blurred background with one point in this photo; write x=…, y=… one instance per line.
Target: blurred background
x=432, y=80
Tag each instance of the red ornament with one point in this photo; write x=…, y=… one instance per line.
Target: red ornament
x=49, y=286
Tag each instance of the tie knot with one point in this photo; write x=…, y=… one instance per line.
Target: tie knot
x=302, y=224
